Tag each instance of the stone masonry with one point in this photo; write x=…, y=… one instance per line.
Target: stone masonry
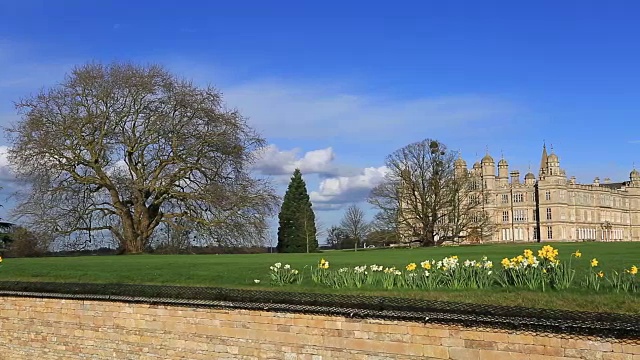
x=46, y=329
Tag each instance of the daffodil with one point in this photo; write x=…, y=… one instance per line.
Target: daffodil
x=577, y=254
x=600, y=274
x=594, y=262
x=411, y=267
x=633, y=270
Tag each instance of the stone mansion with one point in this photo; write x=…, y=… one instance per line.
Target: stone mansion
x=552, y=207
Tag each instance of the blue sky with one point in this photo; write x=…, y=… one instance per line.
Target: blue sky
x=336, y=86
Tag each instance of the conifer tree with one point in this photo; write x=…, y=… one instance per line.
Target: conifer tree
x=297, y=227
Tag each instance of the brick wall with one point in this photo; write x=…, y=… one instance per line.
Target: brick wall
x=74, y=329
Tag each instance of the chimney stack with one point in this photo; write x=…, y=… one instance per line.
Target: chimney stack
x=515, y=177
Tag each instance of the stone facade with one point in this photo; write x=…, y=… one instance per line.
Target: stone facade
x=567, y=211
x=48, y=329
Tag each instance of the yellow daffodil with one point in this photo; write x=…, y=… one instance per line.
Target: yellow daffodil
x=577, y=254
x=528, y=253
x=633, y=270
x=411, y=267
x=426, y=265
x=600, y=274
x=594, y=262
x=505, y=262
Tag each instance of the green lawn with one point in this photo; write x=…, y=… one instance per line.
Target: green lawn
x=241, y=270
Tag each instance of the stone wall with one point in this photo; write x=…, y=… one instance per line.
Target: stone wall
x=75, y=329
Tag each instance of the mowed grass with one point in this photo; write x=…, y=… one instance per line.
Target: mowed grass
x=240, y=271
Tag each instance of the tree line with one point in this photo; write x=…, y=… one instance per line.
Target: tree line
x=148, y=160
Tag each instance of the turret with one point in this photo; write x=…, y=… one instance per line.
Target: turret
x=503, y=169
x=553, y=165
x=503, y=173
x=460, y=165
x=488, y=171
x=634, y=177
x=529, y=179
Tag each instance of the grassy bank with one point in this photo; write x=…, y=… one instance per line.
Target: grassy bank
x=242, y=270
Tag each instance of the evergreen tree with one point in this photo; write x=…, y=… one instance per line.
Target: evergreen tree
x=297, y=226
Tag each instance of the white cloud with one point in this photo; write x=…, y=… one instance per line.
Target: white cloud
x=276, y=162
x=336, y=191
x=273, y=161
x=6, y=173
x=4, y=161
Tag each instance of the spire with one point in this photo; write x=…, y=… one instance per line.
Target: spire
x=543, y=160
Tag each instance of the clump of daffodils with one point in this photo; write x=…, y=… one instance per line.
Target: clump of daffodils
x=548, y=252
x=448, y=263
x=392, y=270
x=527, y=259
x=360, y=269
x=282, y=275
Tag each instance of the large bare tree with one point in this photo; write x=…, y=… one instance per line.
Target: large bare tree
x=123, y=148
x=354, y=224
x=431, y=199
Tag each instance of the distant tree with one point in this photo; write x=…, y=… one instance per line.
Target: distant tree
x=124, y=148
x=336, y=237
x=382, y=237
x=384, y=228
x=297, y=224
x=354, y=224
x=177, y=238
x=427, y=197
x=26, y=243
x=5, y=234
